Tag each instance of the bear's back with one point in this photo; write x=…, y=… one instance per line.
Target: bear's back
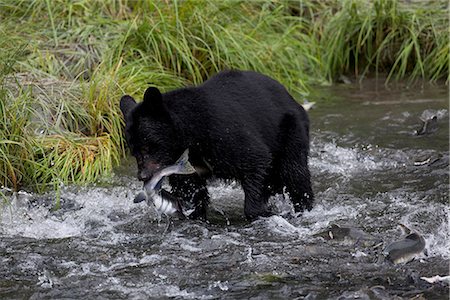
x=248, y=87
x=242, y=103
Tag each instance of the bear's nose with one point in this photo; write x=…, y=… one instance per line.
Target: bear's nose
x=147, y=173
x=144, y=175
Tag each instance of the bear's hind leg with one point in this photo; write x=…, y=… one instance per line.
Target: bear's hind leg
x=254, y=184
x=297, y=179
x=293, y=161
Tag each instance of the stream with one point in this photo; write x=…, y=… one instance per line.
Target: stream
x=370, y=172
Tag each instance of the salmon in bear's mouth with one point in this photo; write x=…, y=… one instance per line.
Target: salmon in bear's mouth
x=164, y=202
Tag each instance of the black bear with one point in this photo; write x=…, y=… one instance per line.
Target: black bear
x=237, y=125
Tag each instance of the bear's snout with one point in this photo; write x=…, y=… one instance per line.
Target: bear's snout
x=146, y=173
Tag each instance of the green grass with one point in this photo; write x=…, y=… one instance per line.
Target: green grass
x=389, y=37
x=65, y=64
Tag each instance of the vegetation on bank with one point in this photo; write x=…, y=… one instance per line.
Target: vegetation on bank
x=64, y=64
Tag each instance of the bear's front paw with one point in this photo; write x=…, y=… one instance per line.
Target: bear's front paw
x=198, y=214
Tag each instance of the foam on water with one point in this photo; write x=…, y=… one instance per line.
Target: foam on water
x=96, y=205
x=92, y=206
x=36, y=223
x=178, y=242
x=279, y=226
x=344, y=161
x=431, y=221
x=229, y=238
x=436, y=233
x=147, y=290
x=323, y=215
x=438, y=243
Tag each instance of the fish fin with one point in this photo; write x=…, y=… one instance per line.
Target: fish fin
x=405, y=229
x=184, y=164
x=142, y=196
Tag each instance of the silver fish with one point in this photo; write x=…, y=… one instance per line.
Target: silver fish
x=405, y=250
x=336, y=232
x=348, y=235
x=308, y=105
x=165, y=203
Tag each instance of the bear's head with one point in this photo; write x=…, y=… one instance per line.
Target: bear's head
x=150, y=133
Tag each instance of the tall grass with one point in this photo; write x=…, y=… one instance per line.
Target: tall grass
x=64, y=64
x=388, y=36
x=197, y=39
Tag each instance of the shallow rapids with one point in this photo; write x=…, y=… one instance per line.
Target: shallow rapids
x=363, y=152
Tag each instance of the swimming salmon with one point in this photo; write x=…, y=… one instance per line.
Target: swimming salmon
x=407, y=249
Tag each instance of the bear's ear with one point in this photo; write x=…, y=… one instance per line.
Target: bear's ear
x=127, y=103
x=153, y=100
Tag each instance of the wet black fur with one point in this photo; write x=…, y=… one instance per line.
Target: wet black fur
x=241, y=124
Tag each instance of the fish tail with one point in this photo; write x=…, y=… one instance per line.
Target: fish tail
x=405, y=229
x=184, y=165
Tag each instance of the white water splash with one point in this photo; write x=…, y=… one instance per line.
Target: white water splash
x=92, y=206
x=344, y=161
x=323, y=215
x=438, y=243
x=430, y=221
x=148, y=290
x=223, y=286
x=279, y=226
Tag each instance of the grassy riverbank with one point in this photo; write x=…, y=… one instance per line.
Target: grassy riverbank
x=64, y=64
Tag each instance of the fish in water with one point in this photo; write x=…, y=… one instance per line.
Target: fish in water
x=347, y=235
x=165, y=202
x=427, y=159
x=429, y=120
x=336, y=232
x=405, y=250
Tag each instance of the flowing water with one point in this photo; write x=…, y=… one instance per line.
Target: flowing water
x=100, y=245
